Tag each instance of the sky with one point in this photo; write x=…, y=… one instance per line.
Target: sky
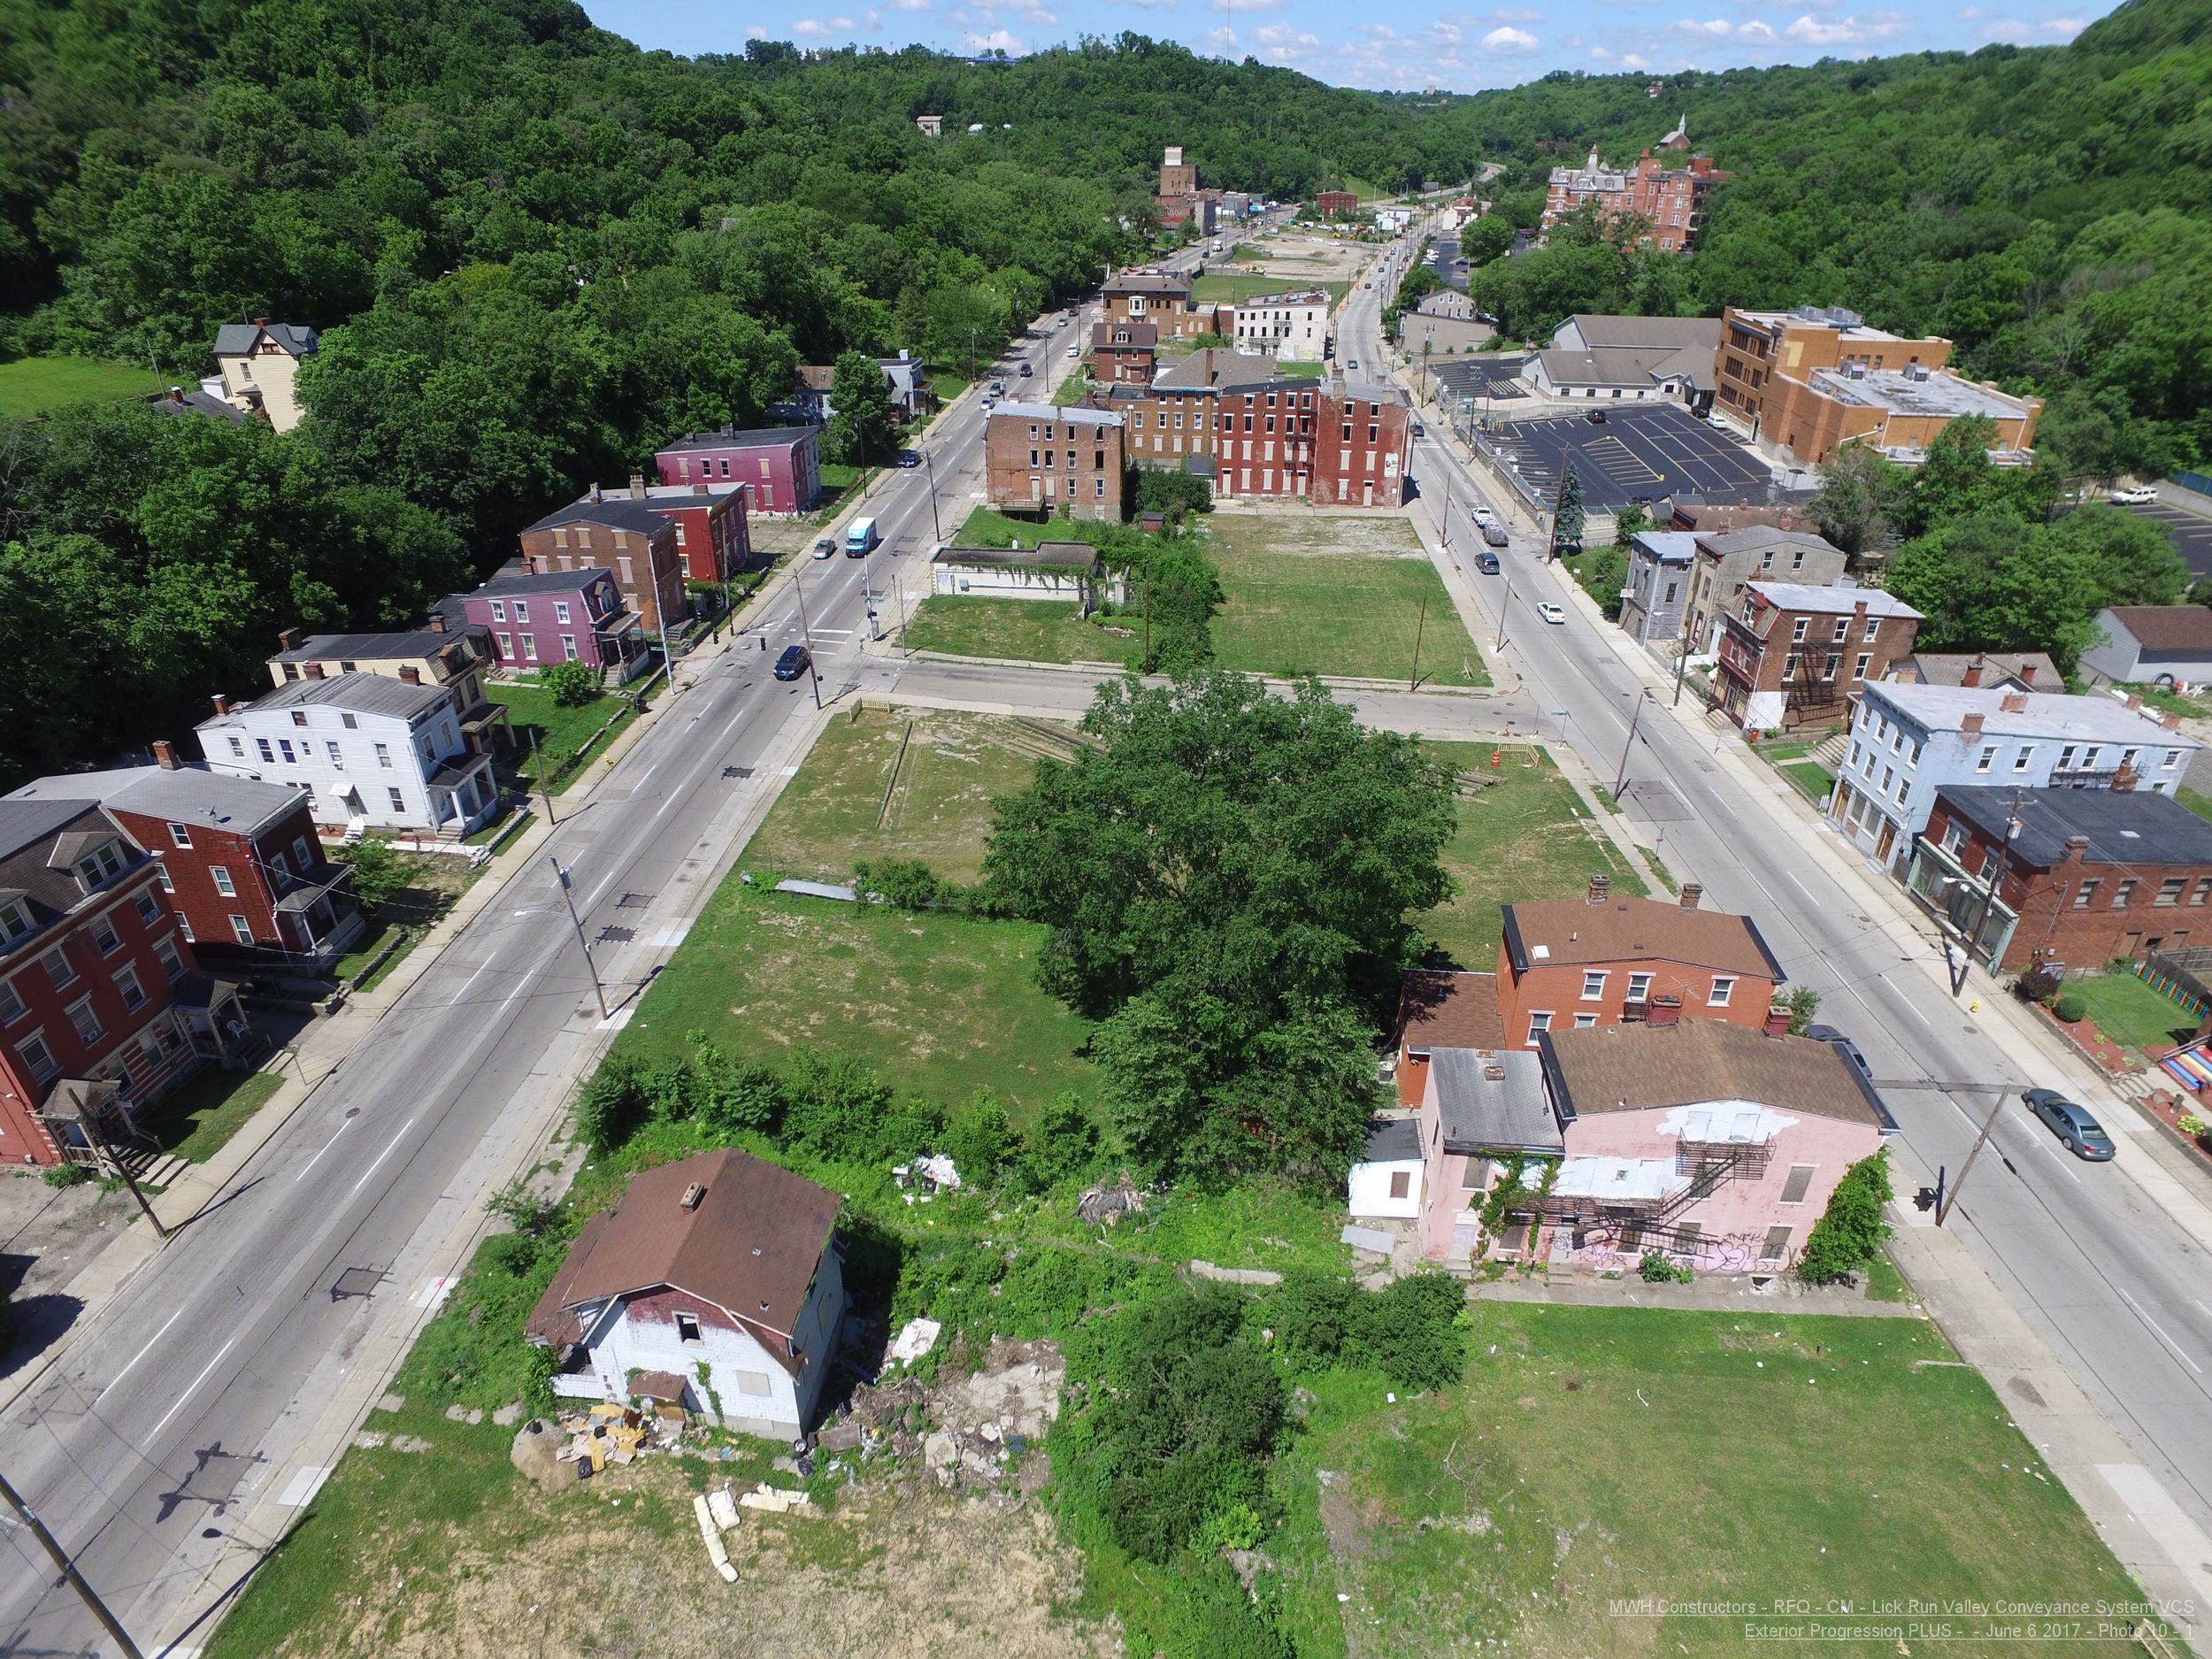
x=1460, y=51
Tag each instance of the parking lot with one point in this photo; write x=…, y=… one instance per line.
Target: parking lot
x=2192, y=534
x=1637, y=454
x=1488, y=375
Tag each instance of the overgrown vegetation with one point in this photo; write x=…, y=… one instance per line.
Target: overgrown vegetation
x=1848, y=1237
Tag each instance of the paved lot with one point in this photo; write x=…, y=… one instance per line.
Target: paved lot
x=1490, y=376
x=2192, y=533
x=1637, y=454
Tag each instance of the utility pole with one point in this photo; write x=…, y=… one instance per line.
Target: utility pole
x=1951, y=1192
x=660, y=612
x=937, y=530
x=1413, y=680
x=1621, y=782
x=1989, y=897
x=1504, y=605
x=537, y=764
x=76, y=1580
x=806, y=629
x=597, y=990
x=1681, y=663
x=110, y=1164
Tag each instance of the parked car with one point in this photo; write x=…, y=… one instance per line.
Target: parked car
x=1486, y=560
x=1353, y=363
x=910, y=457
x=1420, y=431
x=1481, y=512
x=1075, y=351
x=1596, y=416
x=1555, y=615
x=1850, y=1050
x=2136, y=496
x=1492, y=533
x=794, y=662
x=1715, y=423
x=824, y=549
x=2075, y=1126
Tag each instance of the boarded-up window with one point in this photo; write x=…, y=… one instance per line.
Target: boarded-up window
x=1475, y=1175
x=1401, y=1183
x=1777, y=1245
x=1801, y=1177
x=1685, y=1237
x=752, y=1382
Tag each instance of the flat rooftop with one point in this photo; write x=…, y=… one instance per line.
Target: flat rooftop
x=1900, y=394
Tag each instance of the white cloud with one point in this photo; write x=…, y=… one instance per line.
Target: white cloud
x=2019, y=32
x=754, y=32
x=1850, y=31
x=1221, y=41
x=1516, y=17
x=1635, y=61
x=910, y=5
x=996, y=41
x=1039, y=17
x=1510, y=42
x=821, y=28
x=1756, y=31
x=1716, y=29
x=1601, y=54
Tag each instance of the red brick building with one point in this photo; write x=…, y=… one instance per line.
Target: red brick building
x=1334, y=203
x=238, y=858
x=1568, y=964
x=1162, y=298
x=1443, y=1010
x=712, y=531
x=621, y=534
x=1791, y=653
x=782, y=465
x=1039, y=459
x=102, y=1005
x=1670, y=201
x=2083, y=876
x=1124, y=354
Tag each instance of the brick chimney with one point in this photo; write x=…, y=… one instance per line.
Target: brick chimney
x=1777, y=1022
x=411, y=674
x=1691, y=893
x=1971, y=725
x=1973, y=674
x=314, y=671
x=288, y=640
x=222, y=704
x=2171, y=722
x=437, y=622
x=2014, y=703
x=2125, y=778
x=1663, y=1010
x=2027, y=674
x=597, y=495
x=637, y=487
x=260, y=322
x=164, y=753
x=1600, y=888
x=2077, y=849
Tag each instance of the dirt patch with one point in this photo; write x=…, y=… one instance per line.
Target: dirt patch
x=975, y=1431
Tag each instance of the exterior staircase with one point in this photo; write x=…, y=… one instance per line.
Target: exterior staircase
x=1830, y=751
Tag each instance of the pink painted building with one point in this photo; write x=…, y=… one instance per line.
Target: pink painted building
x=781, y=466
x=1716, y=1144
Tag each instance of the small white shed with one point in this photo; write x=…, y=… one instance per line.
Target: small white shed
x=1063, y=571
x=1386, y=1183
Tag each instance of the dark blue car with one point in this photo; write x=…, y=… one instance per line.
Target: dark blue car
x=794, y=662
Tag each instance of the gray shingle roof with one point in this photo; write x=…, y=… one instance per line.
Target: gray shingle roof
x=542, y=582
x=376, y=648
x=185, y=794
x=360, y=694
x=2038, y=714
x=235, y=339
x=752, y=438
x=2124, y=826
x=198, y=403
x=1836, y=601
x=617, y=512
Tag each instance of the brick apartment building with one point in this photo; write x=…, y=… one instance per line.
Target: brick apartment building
x=1813, y=379
x=102, y=1008
x=780, y=466
x=1162, y=298
x=1335, y=203
x=1124, y=354
x=1177, y=177
x=1335, y=445
x=1726, y=561
x=621, y=534
x=237, y=858
x=1570, y=963
x=1669, y=200
x=1791, y=655
x=559, y=616
x=713, y=532
x=1038, y=458
x=2083, y=876
x=1443, y=1010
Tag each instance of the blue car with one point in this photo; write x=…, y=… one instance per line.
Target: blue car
x=794, y=662
x=2076, y=1128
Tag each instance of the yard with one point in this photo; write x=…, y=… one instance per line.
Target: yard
x=1335, y=594
x=1599, y=1455
x=1526, y=836
x=561, y=734
x=1020, y=630
x=1787, y=757
x=30, y=386
x=2130, y=1012
x=433, y=881
x=197, y=1119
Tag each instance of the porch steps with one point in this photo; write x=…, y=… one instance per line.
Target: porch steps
x=162, y=1170
x=1830, y=751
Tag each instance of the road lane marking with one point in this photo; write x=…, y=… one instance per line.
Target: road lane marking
x=186, y=1393
x=1801, y=886
x=327, y=1145
x=386, y=1153
x=2179, y=1353
x=143, y=1352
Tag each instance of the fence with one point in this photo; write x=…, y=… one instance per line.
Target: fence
x=2175, y=975
x=2197, y=481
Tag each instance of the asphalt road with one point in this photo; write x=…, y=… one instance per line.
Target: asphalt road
x=2103, y=1273
x=141, y=1447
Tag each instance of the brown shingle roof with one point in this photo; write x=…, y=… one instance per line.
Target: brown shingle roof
x=1450, y=1010
x=1643, y=1068
x=2167, y=627
x=751, y=1246
x=1572, y=931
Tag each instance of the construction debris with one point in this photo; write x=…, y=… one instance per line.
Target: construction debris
x=1108, y=1202
x=965, y=1430
x=539, y=1454
x=916, y=1338
x=773, y=1499
x=722, y=1504
x=924, y=1178
x=712, y=1534
x=612, y=1434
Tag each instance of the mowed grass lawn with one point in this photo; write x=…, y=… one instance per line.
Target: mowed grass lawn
x=1594, y=1454
x=1021, y=630
x=2129, y=1012
x=1527, y=836
x=560, y=732
x=942, y=1004
x=1316, y=594
x=31, y=385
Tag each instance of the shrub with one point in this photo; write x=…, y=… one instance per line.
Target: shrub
x=1655, y=1269
x=571, y=683
x=978, y=1140
x=2037, y=985
x=377, y=874
x=612, y=1106
x=906, y=884
x=1063, y=1143
x=1408, y=1330
x=1849, y=1233
x=671, y=1089
x=65, y=1174
x=1802, y=1002
x=734, y=1100
x=2070, y=1006
x=2191, y=1125
x=1313, y=1316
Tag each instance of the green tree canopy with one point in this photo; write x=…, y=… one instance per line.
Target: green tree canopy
x=864, y=429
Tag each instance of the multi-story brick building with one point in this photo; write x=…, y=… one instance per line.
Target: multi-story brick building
x=1335, y=203
x=1162, y=298
x=1792, y=654
x=780, y=466
x=1177, y=177
x=713, y=532
x=1124, y=354
x=1670, y=201
x=1293, y=326
x=2084, y=877
x=620, y=534
x=574, y=616
x=102, y=1008
x=238, y=858
x=1038, y=458
x=1267, y=436
x=1568, y=963
x=1727, y=560
x=1809, y=380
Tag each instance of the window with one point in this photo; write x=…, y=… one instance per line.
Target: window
x=349, y=722
x=337, y=755
x=1723, y=987
x=1829, y=671
x=2084, y=893
x=1843, y=628
x=506, y=644
x=2088, y=756
x=149, y=907
x=399, y=801
x=1988, y=755
x=499, y=611
x=1789, y=666
x=2020, y=761
x=299, y=717
x=181, y=835
x=2169, y=889
x=304, y=854
x=2202, y=892
x=1401, y=1183
x=1913, y=759
x=86, y=1020
x=105, y=937
x=1799, y=1182
x=37, y=1057
x=241, y=929
x=1685, y=1237
x=1873, y=627
x=529, y=647
x=1593, y=983
x=98, y=865
x=1797, y=633
x=1540, y=1022
x=522, y=610
x=1866, y=660
x=59, y=972
x=12, y=1007
x=384, y=756
x=1778, y=1244
x=184, y=926
x=172, y=960
x=285, y=743
x=1889, y=774
x=222, y=884
x=2122, y=894
x=560, y=610
x=568, y=647
x=162, y=875
x=268, y=754
x=134, y=992
x=1584, y=1022
x=687, y=1327
x=2173, y=758
x=237, y=749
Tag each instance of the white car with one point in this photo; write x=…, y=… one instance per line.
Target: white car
x=1555, y=615
x=1075, y=351
x=2137, y=495
x=1482, y=513
x=1715, y=423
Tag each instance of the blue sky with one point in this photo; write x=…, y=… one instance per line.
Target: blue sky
x=1461, y=51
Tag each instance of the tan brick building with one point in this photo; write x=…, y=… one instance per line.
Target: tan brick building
x=1162, y=298
x=1124, y=354
x=1811, y=380
x=1039, y=459
x=1669, y=200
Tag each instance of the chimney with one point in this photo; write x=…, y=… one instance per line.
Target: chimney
x=176, y=395
x=1600, y=888
x=1973, y=674
x=260, y=322
x=1777, y=1022
x=692, y=1194
x=288, y=640
x=437, y=622
x=411, y=674
x=2125, y=778
x=1971, y=725
x=314, y=671
x=2027, y=674
x=2014, y=703
x=2077, y=849
x=2135, y=703
x=1663, y=1010
x=164, y=753
x=2171, y=722
x=222, y=704
x=596, y=496
x=1691, y=893
x=637, y=487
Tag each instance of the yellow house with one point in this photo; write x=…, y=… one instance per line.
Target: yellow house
x=259, y=361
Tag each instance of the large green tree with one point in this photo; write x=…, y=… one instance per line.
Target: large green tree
x=1228, y=881
x=864, y=429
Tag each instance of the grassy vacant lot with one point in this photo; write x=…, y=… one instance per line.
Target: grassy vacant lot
x=197, y=1119
x=1315, y=594
x=561, y=732
x=2131, y=1013
x=1223, y=288
x=987, y=527
x=30, y=386
x=1525, y=837
x=1594, y=1454
x=1020, y=630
